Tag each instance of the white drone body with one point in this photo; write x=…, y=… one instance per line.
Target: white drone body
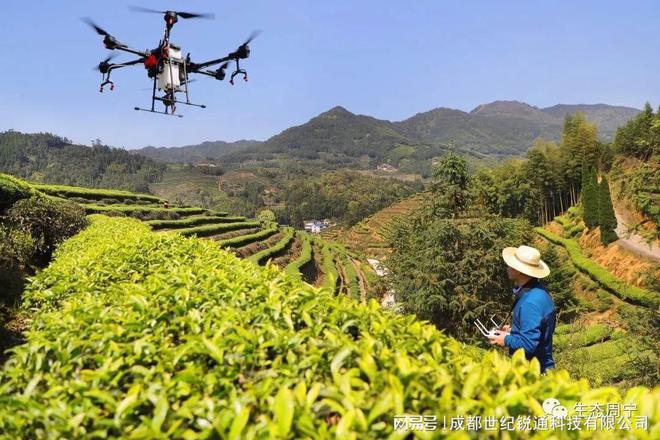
x=171, y=75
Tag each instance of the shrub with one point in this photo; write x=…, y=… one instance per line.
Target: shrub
x=266, y=217
x=47, y=221
x=187, y=341
x=12, y=190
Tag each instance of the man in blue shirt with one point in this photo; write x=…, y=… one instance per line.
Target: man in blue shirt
x=533, y=311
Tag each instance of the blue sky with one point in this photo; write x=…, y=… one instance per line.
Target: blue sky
x=388, y=59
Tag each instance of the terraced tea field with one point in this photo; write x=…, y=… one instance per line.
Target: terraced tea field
x=611, y=339
x=317, y=261
x=368, y=236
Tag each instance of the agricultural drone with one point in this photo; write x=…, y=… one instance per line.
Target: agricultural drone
x=166, y=65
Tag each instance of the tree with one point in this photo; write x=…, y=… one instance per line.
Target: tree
x=450, y=186
x=451, y=271
x=578, y=145
x=606, y=217
x=266, y=217
x=590, y=199
x=640, y=137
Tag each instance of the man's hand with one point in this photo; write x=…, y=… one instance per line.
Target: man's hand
x=498, y=339
x=506, y=328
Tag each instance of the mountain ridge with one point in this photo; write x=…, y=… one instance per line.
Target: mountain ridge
x=499, y=128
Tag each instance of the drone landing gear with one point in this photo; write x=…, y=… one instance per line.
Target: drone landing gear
x=239, y=71
x=105, y=83
x=169, y=102
x=160, y=113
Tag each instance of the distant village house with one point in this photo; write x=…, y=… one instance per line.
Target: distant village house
x=316, y=226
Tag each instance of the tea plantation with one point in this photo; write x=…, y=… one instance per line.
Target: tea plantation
x=317, y=261
x=139, y=329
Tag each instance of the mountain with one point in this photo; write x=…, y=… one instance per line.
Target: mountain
x=500, y=128
x=507, y=127
x=204, y=152
x=336, y=131
x=607, y=117
x=339, y=138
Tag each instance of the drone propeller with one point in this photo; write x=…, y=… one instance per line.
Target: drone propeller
x=252, y=36
x=180, y=14
x=105, y=64
x=243, y=50
x=99, y=30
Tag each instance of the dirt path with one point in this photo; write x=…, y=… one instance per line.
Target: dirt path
x=634, y=243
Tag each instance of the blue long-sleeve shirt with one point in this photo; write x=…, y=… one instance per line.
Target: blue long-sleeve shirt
x=533, y=324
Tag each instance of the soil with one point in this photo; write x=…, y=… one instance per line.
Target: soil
x=232, y=234
x=310, y=272
x=625, y=265
x=12, y=327
x=290, y=253
x=253, y=248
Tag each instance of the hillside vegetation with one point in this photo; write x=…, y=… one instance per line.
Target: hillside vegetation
x=338, y=138
x=47, y=158
x=129, y=353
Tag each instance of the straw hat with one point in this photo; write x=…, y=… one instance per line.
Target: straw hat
x=527, y=260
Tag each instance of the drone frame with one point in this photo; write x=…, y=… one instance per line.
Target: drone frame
x=155, y=60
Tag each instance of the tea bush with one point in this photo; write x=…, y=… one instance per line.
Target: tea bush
x=192, y=221
x=305, y=256
x=262, y=256
x=249, y=238
x=47, y=221
x=600, y=274
x=208, y=230
x=12, y=190
x=94, y=193
x=583, y=337
x=143, y=335
x=141, y=211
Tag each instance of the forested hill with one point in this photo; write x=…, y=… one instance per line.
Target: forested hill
x=47, y=158
x=339, y=138
x=204, y=152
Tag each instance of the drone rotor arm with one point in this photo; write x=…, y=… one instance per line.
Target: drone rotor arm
x=126, y=64
x=197, y=66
